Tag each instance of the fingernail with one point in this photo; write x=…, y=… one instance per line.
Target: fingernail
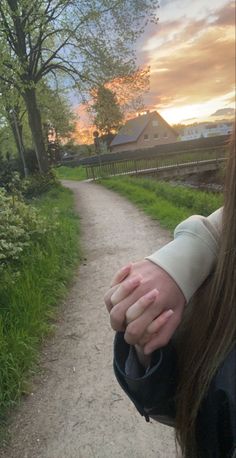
x=168, y=313
x=147, y=351
x=135, y=280
x=152, y=295
x=126, y=268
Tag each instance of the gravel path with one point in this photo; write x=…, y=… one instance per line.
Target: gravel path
x=76, y=408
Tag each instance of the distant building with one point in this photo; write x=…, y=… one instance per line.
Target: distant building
x=144, y=131
x=205, y=130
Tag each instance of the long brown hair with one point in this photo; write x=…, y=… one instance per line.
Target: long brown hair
x=209, y=332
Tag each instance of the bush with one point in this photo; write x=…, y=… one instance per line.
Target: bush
x=37, y=184
x=9, y=177
x=20, y=225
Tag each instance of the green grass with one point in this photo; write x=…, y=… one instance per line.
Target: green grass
x=167, y=203
x=70, y=173
x=28, y=306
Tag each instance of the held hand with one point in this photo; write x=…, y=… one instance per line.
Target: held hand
x=126, y=304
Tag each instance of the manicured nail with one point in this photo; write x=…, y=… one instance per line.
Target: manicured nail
x=126, y=268
x=152, y=295
x=135, y=280
x=168, y=313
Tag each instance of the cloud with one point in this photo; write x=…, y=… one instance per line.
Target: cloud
x=226, y=15
x=191, y=60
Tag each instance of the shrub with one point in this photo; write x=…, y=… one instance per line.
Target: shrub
x=20, y=225
x=37, y=184
x=9, y=177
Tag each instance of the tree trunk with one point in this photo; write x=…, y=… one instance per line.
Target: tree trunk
x=36, y=129
x=16, y=127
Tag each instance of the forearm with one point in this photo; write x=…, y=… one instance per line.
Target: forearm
x=192, y=255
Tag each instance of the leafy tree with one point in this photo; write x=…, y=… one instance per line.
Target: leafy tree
x=108, y=115
x=130, y=89
x=91, y=41
x=56, y=112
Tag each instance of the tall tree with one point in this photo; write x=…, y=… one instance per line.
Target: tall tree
x=91, y=41
x=108, y=115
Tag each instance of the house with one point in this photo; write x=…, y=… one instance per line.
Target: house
x=206, y=130
x=144, y=131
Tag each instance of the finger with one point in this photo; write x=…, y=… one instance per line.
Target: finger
x=122, y=274
x=117, y=316
x=155, y=327
x=157, y=324
x=164, y=335
x=107, y=297
x=118, y=311
x=135, y=310
x=125, y=288
x=136, y=328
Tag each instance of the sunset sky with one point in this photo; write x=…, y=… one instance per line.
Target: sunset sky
x=191, y=52
x=192, y=57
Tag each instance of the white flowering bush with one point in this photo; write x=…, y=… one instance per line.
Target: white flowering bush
x=20, y=225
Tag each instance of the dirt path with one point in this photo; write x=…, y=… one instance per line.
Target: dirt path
x=77, y=409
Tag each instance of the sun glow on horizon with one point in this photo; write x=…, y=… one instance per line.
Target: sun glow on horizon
x=199, y=111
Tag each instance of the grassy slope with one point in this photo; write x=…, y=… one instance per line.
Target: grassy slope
x=27, y=306
x=164, y=202
x=70, y=173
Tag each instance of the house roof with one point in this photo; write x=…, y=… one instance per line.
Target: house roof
x=133, y=128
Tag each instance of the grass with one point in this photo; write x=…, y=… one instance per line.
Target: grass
x=70, y=173
x=28, y=305
x=167, y=203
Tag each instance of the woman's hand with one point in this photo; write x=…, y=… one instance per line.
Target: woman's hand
x=138, y=296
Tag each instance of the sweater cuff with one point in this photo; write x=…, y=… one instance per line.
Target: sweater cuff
x=188, y=260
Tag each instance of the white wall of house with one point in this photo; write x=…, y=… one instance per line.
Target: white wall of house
x=206, y=130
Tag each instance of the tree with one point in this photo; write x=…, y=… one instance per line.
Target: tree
x=12, y=110
x=130, y=90
x=56, y=112
x=108, y=115
x=91, y=41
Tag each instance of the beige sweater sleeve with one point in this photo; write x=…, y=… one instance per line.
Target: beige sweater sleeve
x=191, y=256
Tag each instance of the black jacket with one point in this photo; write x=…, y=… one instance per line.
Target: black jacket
x=153, y=395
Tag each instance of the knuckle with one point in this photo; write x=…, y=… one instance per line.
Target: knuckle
x=125, y=287
x=107, y=299
x=132, y=331
x=115, y=320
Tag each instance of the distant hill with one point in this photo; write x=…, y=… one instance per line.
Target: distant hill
x=224, y=112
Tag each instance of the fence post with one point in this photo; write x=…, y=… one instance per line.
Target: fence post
x=93, y=173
